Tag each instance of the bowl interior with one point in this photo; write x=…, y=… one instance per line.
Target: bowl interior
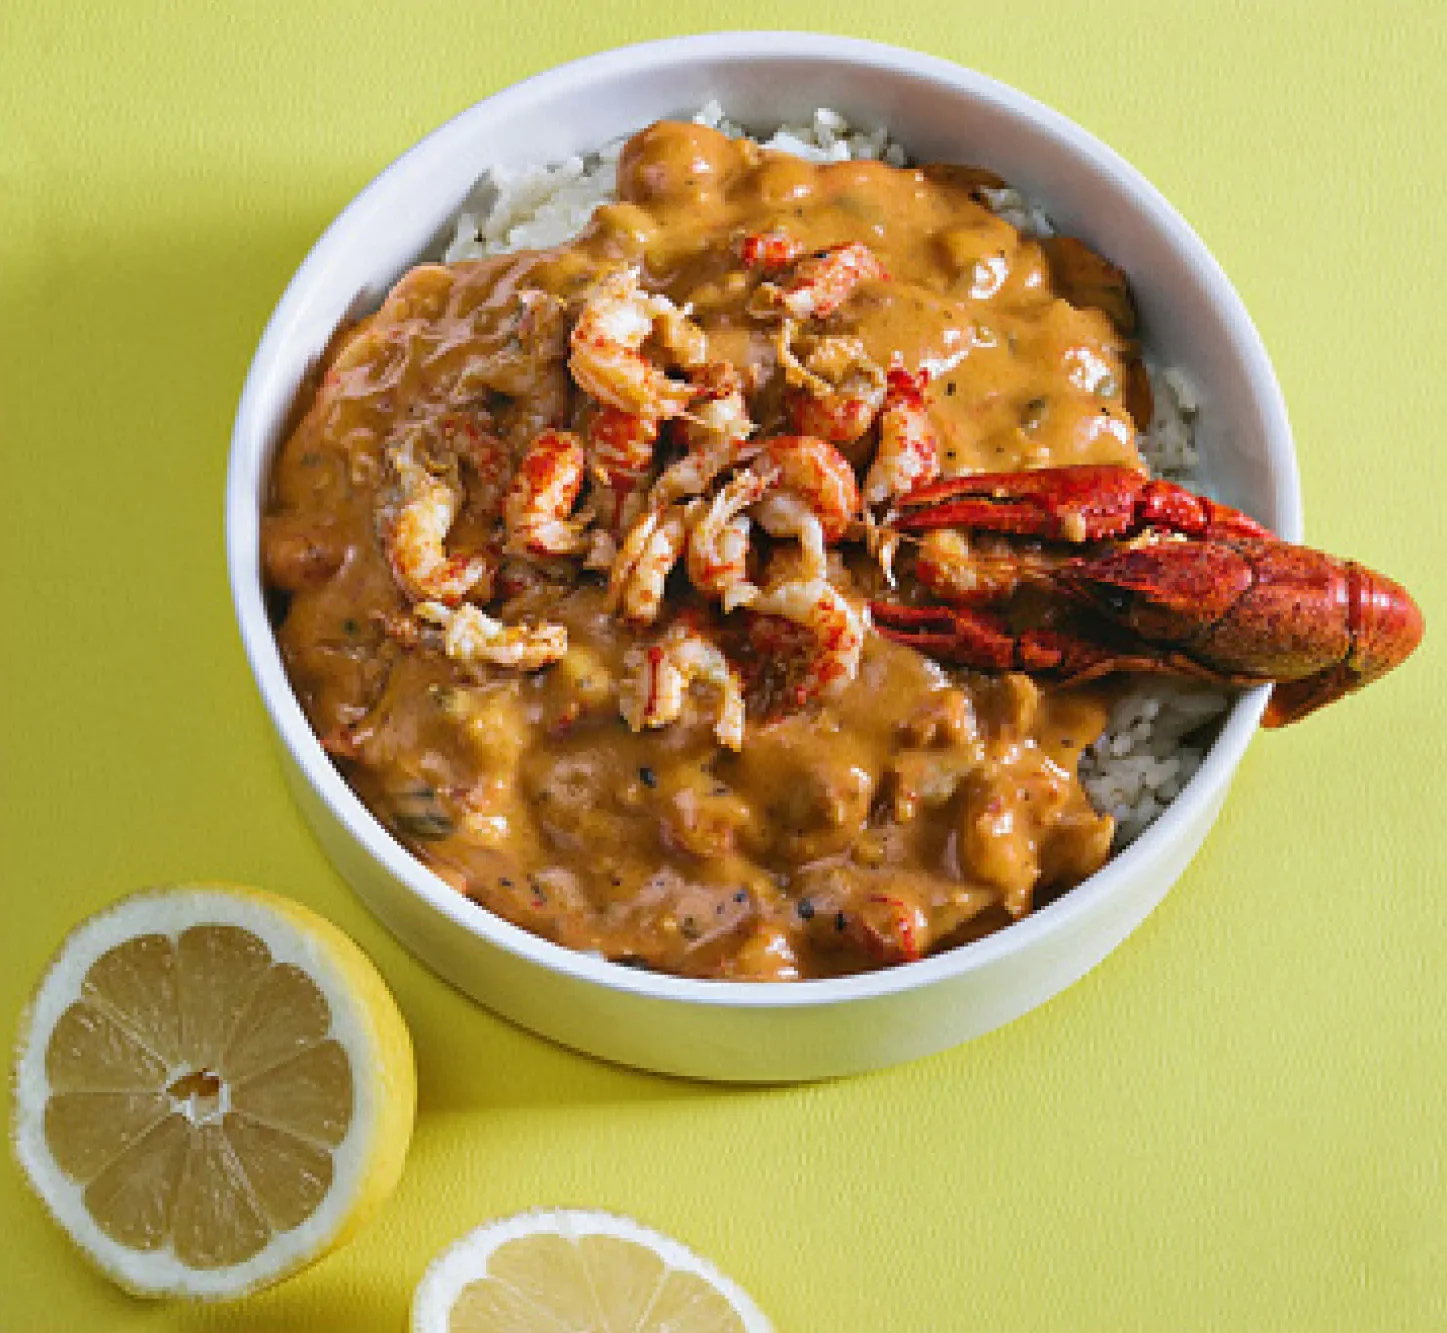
x=1191, y=317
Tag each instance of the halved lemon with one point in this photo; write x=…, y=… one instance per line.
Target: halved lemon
x=569, y=1271
x=213, y=1088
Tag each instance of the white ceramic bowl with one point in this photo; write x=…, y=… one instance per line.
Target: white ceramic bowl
x=1191, y=317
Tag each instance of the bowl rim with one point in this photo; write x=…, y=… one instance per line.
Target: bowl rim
x=1056, y=919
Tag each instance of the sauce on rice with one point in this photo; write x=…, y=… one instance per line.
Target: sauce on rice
x=865, y=816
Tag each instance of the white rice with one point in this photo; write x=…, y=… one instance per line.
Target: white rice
x=534, y=208
x=828, y=137
x=1141, y=761
x=1027, y=218
x=1168, y=445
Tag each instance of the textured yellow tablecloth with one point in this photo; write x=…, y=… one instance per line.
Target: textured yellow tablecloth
x=1237, y=1122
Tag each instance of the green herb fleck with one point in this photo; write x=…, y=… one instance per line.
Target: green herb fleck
x=420, y=816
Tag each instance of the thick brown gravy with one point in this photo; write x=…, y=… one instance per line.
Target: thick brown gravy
x=893, y=813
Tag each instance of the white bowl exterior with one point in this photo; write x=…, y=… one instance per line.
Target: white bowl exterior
x=1193, y=318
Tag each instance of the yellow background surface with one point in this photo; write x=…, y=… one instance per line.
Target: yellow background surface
x=1237, y=1122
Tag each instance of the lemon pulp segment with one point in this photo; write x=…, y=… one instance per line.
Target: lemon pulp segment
x=214, y=1087
x=216, y=1158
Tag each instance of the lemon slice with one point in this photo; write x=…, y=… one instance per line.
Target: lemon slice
x=213, y=1088
x=565, y=1271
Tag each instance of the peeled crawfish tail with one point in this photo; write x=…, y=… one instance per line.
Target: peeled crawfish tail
x=1201, y=591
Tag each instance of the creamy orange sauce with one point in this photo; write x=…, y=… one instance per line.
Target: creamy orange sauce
x=907, y=811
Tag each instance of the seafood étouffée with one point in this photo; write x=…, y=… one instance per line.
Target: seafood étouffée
x=572, y=554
